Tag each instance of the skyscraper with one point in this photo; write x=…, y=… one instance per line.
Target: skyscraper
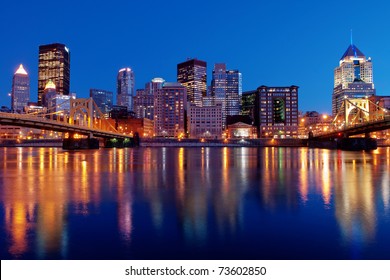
x=226, y=88
x=125, y=88
x=233, y=92
x=103, y=99
x=193, y=75
x=54, y=64
x=276, y=111
x=352, y=78
x=20, y=95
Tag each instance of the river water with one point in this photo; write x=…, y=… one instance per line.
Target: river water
x=194, y=203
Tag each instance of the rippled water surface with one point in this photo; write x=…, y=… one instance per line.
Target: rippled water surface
x=194, y=203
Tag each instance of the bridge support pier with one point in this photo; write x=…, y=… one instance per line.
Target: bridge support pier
x=347, y=144
x=79, y=144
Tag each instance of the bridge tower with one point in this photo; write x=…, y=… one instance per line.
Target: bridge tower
x=361, y=108
x=81, y=111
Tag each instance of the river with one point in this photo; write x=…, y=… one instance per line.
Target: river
x=194, y=203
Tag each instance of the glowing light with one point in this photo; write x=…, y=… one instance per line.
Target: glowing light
x=50, y=85
x=125, y=69
x=21, y=70
x=158, y=80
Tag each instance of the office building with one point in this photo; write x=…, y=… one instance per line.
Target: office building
x=226, y=89
x=54, y=65
x=144, y=99
x=170, y=110
x=103, y=99
x=248, y=103
x=353, y=78
x=276, y=111
x=205, y=122
x=193, y=75
x=49, y=93
x=125, y=88
x=20, y=95
x=233, y=92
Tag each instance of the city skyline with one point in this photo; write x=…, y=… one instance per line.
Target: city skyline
x=301, y=50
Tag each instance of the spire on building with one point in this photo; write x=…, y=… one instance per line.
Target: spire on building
x=21, y=70
x=352, y=51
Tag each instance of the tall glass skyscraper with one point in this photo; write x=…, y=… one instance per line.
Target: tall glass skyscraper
x=193, y=75
x=226, y=89
x=20, y=95
x=352, y=78
x=233, y=92
x=54, y=64
x=103, y=99
x=125, y=88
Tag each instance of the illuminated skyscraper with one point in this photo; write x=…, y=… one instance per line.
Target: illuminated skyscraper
x=352, y=78
x=20, y=95
x=193, y=75
x=103, y=99
x=125, y=88
x=54, y=64
x=233, y=92
x=226, y=89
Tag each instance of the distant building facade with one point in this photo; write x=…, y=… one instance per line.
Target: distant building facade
x=130, y=126
x=277, y=111
x=248, y=103
x=226, y=89
x=170, y=110
x=20, y=95
x=55, y=102
x=144, y=99
x=353, y=78
x=205, y=122
x=125, y=88
x=54, y=64
x=193, y=75
x=49, y=93
x=103, y=99
x=233, y=92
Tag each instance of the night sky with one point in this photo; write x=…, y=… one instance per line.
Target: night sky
x=274, y=43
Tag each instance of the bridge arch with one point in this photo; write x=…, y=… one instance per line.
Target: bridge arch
x=81, y=107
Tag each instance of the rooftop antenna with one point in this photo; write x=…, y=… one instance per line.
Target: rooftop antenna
x=351, y=38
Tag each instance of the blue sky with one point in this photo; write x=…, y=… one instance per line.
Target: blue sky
x=274, y=43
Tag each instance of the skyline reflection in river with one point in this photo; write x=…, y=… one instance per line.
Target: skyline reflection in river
x=194, y=203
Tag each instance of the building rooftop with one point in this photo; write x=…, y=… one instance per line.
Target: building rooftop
x=172, y=84
x=21, y=70
x=352, y=51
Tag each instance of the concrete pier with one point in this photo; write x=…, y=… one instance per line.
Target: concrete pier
x=79, y=144
x=347, y=144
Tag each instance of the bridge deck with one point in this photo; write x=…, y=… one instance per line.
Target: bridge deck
x=25, y=120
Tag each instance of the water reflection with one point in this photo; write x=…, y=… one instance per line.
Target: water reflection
x=54, y=201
